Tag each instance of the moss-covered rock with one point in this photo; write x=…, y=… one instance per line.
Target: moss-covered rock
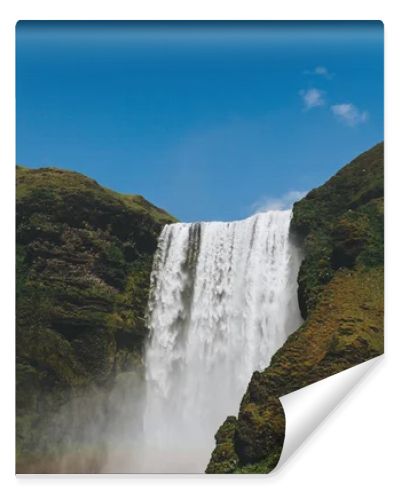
x=339, y=224
x=84, y=256
x=340, y=228
x=225, y=459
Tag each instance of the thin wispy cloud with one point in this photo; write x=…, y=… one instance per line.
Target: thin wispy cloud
x=312, y=98
x=283, y=202
x=320, y=71
x=349, y=114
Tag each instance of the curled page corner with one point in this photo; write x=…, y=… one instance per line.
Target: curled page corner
x=306, y=408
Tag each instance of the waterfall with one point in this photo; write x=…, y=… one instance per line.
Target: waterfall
x=223, y=299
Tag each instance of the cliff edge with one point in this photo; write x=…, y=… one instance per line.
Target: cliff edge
x=84, y=257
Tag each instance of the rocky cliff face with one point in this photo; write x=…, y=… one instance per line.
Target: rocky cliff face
x=340, y=228
x=84, y=256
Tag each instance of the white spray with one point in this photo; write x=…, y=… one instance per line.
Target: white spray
x=223, y=300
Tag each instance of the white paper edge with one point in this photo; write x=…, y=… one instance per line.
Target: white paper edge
x=306, y=408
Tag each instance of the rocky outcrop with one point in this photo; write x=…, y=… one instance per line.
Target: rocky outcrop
x=84, y=256
x=340, y=228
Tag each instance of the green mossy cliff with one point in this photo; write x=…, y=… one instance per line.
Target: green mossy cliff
x=339, y=226
x=84, y=256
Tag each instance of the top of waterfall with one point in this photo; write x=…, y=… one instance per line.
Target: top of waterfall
x=237, y=221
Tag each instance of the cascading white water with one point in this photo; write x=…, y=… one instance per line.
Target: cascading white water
x=223, y=300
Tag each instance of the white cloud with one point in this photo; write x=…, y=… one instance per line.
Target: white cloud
x=349, y=114
x=323, y=71
x=320, y=71
x=282, y=203
x=312, y=98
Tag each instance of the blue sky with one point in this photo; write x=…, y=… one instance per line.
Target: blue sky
x=211, y=121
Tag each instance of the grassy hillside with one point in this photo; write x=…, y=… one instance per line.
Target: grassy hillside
x=340, y=228
x=84, y=256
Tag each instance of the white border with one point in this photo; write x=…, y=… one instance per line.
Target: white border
x=354, y=453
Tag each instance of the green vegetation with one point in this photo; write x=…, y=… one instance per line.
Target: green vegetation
x=340, y=224
x=340, y=228
x=84, y=256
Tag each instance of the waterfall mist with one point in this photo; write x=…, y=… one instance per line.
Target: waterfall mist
x=223, y=299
